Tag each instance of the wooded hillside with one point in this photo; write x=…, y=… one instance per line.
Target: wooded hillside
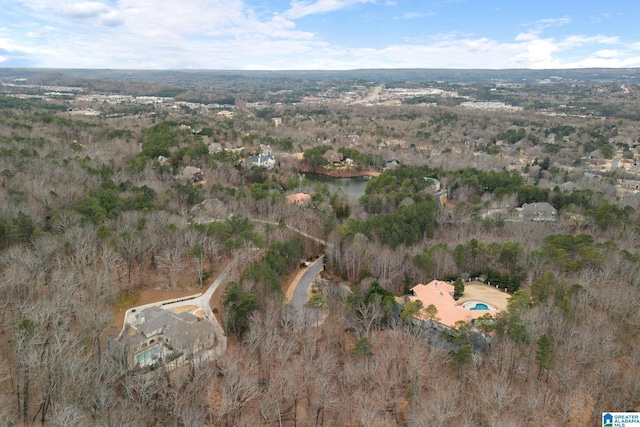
x=100, y=213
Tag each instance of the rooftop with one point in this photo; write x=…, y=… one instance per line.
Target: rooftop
x=440, y=294
x=183, y=328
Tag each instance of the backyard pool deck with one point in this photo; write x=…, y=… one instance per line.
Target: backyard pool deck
x=478, y=291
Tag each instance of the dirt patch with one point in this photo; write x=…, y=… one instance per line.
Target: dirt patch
x=193, y=309
x=216, y=299
x=183, y=308
x=477, y=291
x=216, y=305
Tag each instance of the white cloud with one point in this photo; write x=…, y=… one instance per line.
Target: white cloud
x=87, y=9
x=455, y=51
x=576, y=41
x=300, y=9
x=413, y=15
x=600, y=18
x=12, y=49
x=607, y=59
x=523, y=37
x=227, y=34
x=112, y=19
x=550, y=22
x=8, y=45
x=537, y=53
x=607, y=54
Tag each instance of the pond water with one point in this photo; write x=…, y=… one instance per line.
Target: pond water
x=352, y=187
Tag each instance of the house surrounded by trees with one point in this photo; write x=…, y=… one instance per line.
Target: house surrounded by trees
x=160, y=336
x=441, y=295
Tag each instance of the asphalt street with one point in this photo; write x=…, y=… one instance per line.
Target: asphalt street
x=301, y=315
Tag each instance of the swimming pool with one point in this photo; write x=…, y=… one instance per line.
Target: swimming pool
x=477, y=306
x=143, y=358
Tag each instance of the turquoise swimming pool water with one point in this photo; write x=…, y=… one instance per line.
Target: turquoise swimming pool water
x=142, y=357
x=480, y=306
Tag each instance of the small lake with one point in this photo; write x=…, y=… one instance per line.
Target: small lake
x=352, y=187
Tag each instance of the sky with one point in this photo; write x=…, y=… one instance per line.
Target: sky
x=319, y=34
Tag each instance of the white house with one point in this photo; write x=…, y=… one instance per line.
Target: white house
x=266, y=161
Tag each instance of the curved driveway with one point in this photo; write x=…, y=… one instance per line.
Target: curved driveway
x=300, y=314
x=202, y=301
x=614, y=163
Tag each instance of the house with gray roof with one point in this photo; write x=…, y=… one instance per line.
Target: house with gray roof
x=209, y=210
x=214, y=147
x=433, y=183
x=539, y=212
x=569, y=186
x=630, y=184
x=159, y=336
x=266, y=161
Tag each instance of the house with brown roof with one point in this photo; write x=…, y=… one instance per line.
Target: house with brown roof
x=333, y=156
x=299, y=198
x=191, y=173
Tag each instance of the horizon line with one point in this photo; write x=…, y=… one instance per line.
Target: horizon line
x=321, y=69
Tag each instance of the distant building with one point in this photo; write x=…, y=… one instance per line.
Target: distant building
x=433, y=183
x=209, y=210
x=569, y=186
x=191, y=173
x=333, y=156
x=593, y=176
x=215, y=147
x=299, y=198
x=631, y=184
x=391, y=164
x=266, y=161
x=539, y=212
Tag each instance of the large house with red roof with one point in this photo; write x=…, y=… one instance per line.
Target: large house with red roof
x=440, y=295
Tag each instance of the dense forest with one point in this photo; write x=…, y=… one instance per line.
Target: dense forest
x=101, y=212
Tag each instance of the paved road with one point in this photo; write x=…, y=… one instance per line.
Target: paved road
x=301, y=315
x=204, y=302
x=302, y=233
x=614, y=163
x=372, y=97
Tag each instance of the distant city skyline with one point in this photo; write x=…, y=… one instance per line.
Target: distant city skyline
x=319, y=34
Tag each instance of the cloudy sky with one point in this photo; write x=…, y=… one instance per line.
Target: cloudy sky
x=319, y=34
